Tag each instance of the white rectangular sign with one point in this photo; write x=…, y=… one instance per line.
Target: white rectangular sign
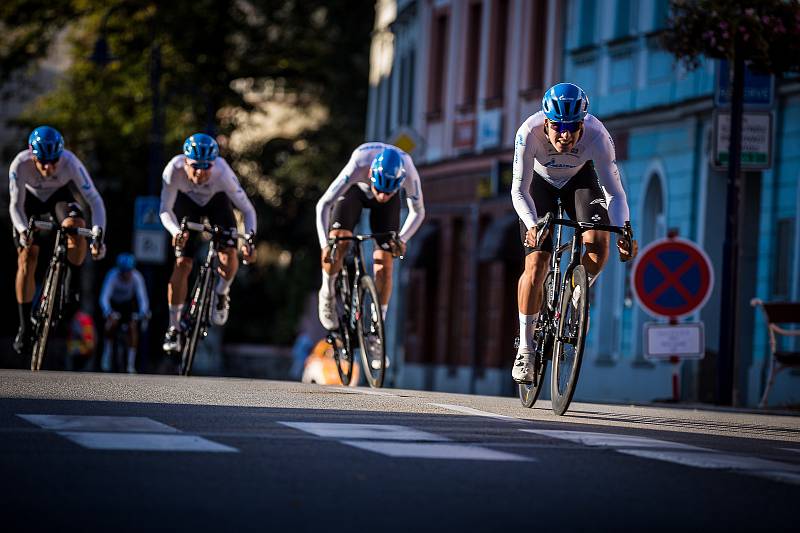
x=489, y=128
x=150, y=246
x=662, y=341
x=756, y=140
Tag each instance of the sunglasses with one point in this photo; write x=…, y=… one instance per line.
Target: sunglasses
x=571, y=127
x=48, y=161
x=201, y=165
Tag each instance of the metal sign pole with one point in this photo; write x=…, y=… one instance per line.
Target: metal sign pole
x=728, y=345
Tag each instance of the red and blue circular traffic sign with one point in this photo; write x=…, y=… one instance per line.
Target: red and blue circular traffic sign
x=672, y=278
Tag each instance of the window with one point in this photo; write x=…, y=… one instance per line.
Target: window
x=387, y=125
x=622, y=22
x=538, y=45
x=660, y=13
x=473, y=54
x=587, y=17
x=782, y=266
x=497, y=53
x=438, y=65
x=406, y=96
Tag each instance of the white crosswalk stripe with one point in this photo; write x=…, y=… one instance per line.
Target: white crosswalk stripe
x=474, y=412
x=134, y=433
x=400, y=441
x=678, y=453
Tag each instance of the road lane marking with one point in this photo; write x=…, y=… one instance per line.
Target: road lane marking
x=133, y=433
x=401, y=441
x=363, y=390
x=678, y=453
x=435, y=451
x=474, y=412
x=610, y=440
x=364, y=431
x=145, y=442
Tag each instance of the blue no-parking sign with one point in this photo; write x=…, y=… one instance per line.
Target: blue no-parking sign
x=672, y=278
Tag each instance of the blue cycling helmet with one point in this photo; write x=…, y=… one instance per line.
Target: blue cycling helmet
x=126, y=262
x=201, y=148
x=46, y=144
x=565, y=102
x=387, y=171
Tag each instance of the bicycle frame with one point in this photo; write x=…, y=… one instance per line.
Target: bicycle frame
x=575, y=245
x=358, y=260
x=195, y=318
x=51, y=300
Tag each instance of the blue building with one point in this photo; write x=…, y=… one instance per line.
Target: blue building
x=661, y=118
x=477, y=70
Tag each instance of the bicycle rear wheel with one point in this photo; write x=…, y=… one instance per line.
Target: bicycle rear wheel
x=568, y=346
x=529, y=392
x=45, y=315
x=342, y=345
x=370, y=333
x=197, y=317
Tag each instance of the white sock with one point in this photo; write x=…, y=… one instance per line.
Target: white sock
x=105, y=362
x=223, y=285
x=328, y=281
x=175, y=312
x=384, y=309
x=527, y=325
x=131, y=358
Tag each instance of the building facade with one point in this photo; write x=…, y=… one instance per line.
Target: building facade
x=452, y=81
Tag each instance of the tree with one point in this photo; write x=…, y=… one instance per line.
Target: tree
x=316, y=51
x=767, y=32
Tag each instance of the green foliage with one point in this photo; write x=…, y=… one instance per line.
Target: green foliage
x=767, y=32
x=317, y=50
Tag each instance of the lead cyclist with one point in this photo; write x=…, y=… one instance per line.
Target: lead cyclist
x=562, y=153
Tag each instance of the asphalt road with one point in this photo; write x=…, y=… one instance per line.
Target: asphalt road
x=91, y=452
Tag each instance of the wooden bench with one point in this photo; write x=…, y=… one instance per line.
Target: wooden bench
x=779, y=313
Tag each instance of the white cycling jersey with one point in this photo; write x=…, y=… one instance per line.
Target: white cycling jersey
x=222, y=179
x=357, y=171
x=534, y=152
x=117, y=289
x=24, y=179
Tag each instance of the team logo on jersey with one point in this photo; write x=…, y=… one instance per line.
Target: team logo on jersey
x=86, y=185
x=552, y=164
x=601, y=201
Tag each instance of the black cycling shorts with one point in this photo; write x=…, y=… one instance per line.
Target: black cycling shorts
x=218, y=210
x=61, y=205
x=125, y=310
x=582, y=198
x=383, y=217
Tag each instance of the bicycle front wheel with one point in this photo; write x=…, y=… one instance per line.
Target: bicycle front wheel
x=370, y=333
x=568, y=347
x=342, y=344
x=529, y=392
x=198, y=315
x=45, y=315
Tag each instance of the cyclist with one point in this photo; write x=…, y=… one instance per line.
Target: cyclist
x=562, y=152
x=198, y=183
x=121, y=285
x=371, y=180
x=44, y=179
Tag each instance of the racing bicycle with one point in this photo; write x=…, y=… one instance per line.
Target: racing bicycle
x=359, y=312
x=196, y=318
x=52, y=300
x=560, y=331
